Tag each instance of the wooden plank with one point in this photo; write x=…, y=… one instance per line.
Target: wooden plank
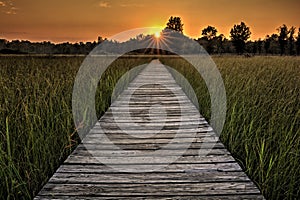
x=162, y=115
x=142, y=141
x=206, y=130
x=149, y=106
x=133, y=178
x=149, y=147
x=212, y=159
x=132, y=138
x=158, y=121
x=152, y=115
x=146, y=136
x=153, y=189
x=147, y=153
x=159, y=135
x=180, y=166
x=151, y=128
x=142, y=103
x=165, y=99
x=247, y=196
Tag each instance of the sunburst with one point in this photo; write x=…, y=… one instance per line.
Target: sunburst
x=157, y=35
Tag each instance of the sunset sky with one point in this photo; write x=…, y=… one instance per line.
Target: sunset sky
x=85, y=20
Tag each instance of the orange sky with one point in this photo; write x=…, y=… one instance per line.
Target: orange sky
x=84, y=20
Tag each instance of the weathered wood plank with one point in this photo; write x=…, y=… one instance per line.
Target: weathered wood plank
x=153, y=189
x=126, y=98
x=155, y=133
x=149, y=117
x=183, y=167
x=153, y=125
x=206, y=130
x=142, y=141
x=144, y=178
x=149, y=147
x=208, y=159
x=247, y=196
x=158, y=121
x=148, y=153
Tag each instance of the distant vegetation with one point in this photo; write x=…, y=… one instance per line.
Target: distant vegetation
x=285, y=42
x=27, y=47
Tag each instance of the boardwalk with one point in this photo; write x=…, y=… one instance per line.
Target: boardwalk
x=157, y=146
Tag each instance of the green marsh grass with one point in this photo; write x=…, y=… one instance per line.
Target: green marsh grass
x=37, y=131
x=262, y=128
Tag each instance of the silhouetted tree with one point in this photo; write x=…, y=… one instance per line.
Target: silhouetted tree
x=282, y=39
x=2, y=43
x=274, y=46
x=267, y=44
x=220, y=43
x=259, y=46
x=239, y=34
x=210, y=39
x=100, y=39
x=253, y=46
x=175, y=24
x=209, y=32
x=291, y=40
x=298, y=42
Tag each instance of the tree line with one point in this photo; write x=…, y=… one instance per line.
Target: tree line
x=285, y=42
x=27, y=47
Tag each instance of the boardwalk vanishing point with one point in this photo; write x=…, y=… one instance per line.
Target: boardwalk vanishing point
x=152, y=143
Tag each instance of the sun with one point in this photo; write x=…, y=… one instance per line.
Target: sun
x=157, y=35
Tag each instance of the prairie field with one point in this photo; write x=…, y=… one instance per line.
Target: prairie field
x=262, y=128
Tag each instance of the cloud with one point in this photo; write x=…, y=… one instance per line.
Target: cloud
x=2, y=4
x=12, y=10
x=104, y=4
x=132, y=5
x=7, y=7
x=13, y=33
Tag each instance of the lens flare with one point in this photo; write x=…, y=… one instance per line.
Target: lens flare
x=157, y=35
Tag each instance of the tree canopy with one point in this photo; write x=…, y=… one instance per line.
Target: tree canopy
x=282, y=38
x=209, y=32
x=239, y=34
x=175, y=24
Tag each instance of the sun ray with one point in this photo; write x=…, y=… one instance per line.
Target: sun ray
x=157, y=35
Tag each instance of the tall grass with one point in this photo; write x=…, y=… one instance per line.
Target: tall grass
x=36, y=127
x=262, y=128
x=37, y=131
